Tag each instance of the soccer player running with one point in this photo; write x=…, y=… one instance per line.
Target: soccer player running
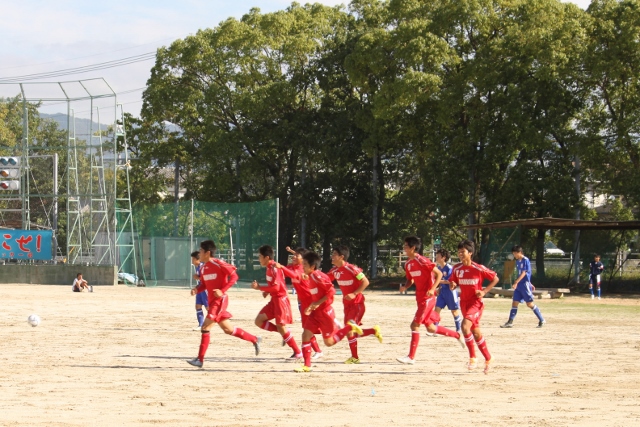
x=352, y=282
x=321, y=317
x=596, y=268
x=217, y=277
x=279, y=307
x=469, y=277
x=295, y=272
x=447, y=297
x=201, y=297
x=523, y=289
x=419, y=270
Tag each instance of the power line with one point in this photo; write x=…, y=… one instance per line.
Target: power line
x=80, y=70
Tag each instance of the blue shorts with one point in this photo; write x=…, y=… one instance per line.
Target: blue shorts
x=448, y=298
x=523, y=292
x=594, y=279
x=202, y=298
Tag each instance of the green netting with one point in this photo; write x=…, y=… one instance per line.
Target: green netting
x=167, y=234
x=618, y=251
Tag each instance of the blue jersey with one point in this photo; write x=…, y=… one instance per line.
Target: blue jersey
x=447, y=297
x=596, y=268
x=524, y=265
x=446, y=271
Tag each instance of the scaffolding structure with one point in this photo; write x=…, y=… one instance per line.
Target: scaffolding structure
x=96, y=170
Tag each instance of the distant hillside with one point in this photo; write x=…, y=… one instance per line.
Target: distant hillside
x=83, y=126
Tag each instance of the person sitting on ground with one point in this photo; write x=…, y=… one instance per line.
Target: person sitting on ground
x=79, y=284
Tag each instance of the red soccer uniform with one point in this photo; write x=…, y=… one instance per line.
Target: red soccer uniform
x=420, y=269
x=349, y=277
x=469, y=278
x=279, y=307
x=295, y=272
x=322, y=318
x=217, y=275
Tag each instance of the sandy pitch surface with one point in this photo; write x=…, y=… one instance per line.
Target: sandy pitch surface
x=117, y=357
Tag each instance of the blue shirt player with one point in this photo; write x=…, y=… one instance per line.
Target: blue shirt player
x=596, y=268
x=447, y=297
x=201, y=298
x=523, y=289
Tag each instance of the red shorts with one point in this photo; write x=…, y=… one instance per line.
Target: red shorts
x=322, y=321
x=278, y=309
x=353, y=312
x=425, y=315
x=218, y=309
x=472, y=310
x=302, y=305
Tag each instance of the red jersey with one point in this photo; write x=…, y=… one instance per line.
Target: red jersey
x=319, y=286
x=275, y=282
x=348, y=277
x=469, y=278
x=216, y=274
x=419, y=270
x=295, y=272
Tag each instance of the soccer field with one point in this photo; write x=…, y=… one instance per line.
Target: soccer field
x=118, y=357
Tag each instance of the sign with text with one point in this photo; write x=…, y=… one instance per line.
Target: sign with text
x=25, y=244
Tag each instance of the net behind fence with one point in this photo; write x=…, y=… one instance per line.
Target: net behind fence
x=617, y=249
x=166, y=234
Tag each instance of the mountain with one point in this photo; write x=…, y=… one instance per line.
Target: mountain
x=83, y=126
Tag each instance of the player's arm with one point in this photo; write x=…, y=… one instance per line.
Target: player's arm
x=406, y=286
x=482, y=293
x=520, y=277
x=364, y=282
x=436, y=271
x=315, y=305
x=232, y=278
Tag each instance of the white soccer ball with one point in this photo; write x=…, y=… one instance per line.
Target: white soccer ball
x=34, y=320
x=510, y=257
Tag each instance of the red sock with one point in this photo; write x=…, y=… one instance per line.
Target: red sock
x=441, y=330
x=306, y=353
x=367, y=332
x=353, y=345
x=204, y=345
x=468, y=340
x=291, y=342
x=237, y=332
x=341, y=333
x=482, y=346
x=314, y=345
x=268, y=326
x=415, y=339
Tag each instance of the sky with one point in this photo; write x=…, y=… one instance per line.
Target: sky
x=38, y=36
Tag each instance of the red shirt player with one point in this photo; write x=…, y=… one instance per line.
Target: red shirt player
x=295, y=272
x=352, y=282
x=421, y=271
x=321, y=316
x=469, y=277
x=279, y=307
x=216, y=276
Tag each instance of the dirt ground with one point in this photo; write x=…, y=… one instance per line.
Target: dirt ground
x=117, y=357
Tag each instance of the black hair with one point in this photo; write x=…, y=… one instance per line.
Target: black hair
x=313, y=259
x=301, y=251
x=342, y=250
x=195, y=254
x=208, y=246
x=78, y=275
x=266, y=251
x=413, y=242
x=516, y=249
x=444, y=254
x=468, y=245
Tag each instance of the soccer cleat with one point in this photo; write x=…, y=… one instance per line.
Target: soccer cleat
x=598, y=297
x=406, y=360
x=487, y=366
x=355, y=328
x=195, y=362
x=256, y=345
x=378, y=333
x=284, y=343
x=197, y=328
x=91, y=290
x=295, y=358
x=509, y=324
x=301, y=369
x=471, y=365
x=352, y=361
x=317, y=355
x=429, y=334
x=592, y=296
x=542, y=323
x=461, y=340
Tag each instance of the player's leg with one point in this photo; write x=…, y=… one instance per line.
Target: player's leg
x=306, y=352
x=302, y=306
x=288, y=339
x=513, y=313
x=199, y=314
x=591, y=280
x=204, y=343
x=437, y=310
x=455, y=310
x=466, y=326
x=598, y=281
x=536, y=311
x=457, y=318
x=482, y=346
x=229, y=329
x=413, y=345
x=262, y=319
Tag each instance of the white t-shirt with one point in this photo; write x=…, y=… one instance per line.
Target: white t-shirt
x=76, y=282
